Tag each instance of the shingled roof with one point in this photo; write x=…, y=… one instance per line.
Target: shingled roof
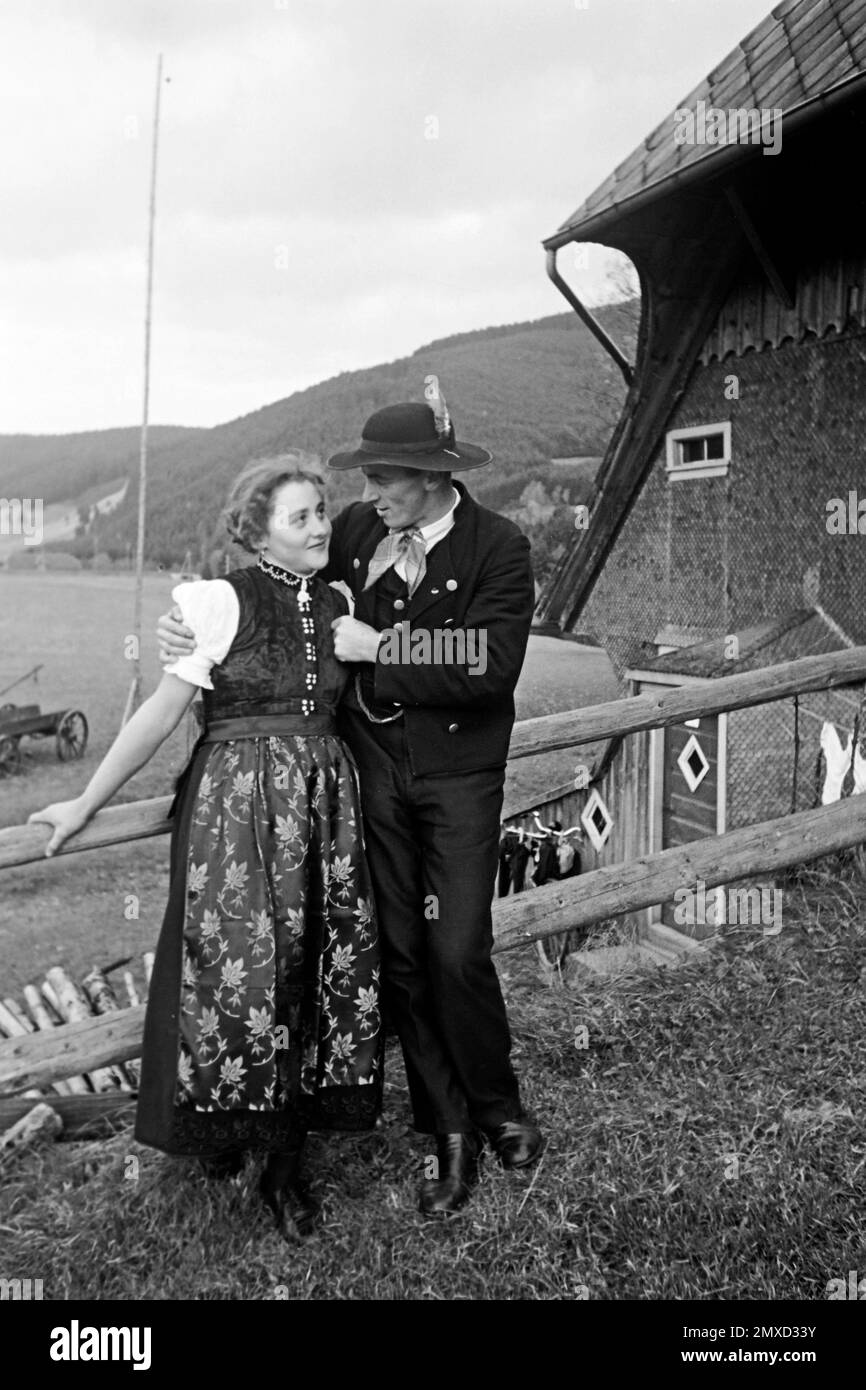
x=805, y=632
x=803, y=50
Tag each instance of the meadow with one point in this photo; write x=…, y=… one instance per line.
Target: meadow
x=706, y=1135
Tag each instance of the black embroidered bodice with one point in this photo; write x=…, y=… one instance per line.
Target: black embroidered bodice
x=265, y=669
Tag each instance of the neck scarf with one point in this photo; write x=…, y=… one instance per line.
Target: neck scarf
x=407, y=545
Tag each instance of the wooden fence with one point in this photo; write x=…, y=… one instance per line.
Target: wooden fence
x=39, y=1059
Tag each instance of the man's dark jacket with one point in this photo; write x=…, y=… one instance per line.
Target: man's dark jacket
x=478, y=577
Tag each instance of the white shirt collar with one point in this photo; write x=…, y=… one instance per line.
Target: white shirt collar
x=437, y=529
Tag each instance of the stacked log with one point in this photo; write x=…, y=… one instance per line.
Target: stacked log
x=80, y=1104
x=103, y=1000
x=41, y=1122
x=73, y=1085
x=13, y=1027
x=75, y=1008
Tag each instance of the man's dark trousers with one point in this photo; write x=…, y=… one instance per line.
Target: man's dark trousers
x=431, y=788
x=433, y=844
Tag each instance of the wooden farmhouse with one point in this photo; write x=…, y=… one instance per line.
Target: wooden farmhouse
x=727, y=528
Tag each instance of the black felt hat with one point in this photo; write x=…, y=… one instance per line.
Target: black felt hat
x=412, y=436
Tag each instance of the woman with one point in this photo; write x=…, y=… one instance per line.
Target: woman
x=263, y=1014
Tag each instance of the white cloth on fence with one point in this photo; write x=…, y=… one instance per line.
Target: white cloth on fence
x=837, y=760
x=531, y=866
x=565, y=856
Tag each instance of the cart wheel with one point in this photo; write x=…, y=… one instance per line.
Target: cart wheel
x=10, y=756
x=552, y=950
x=71, y=736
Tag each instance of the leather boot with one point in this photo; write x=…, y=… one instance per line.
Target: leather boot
x=286, y=1196
x=516, y=1143
x=458, y=1173
x=223, y=1166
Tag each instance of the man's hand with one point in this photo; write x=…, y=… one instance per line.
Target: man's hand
x=354, y=641
x=175, y=639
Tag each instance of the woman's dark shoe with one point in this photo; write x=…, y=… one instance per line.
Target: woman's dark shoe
x=223, y=1166
x=516, y=1143
x=457, y=1156
x=287, y=1197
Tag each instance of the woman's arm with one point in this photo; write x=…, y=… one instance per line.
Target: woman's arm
x=134, y=746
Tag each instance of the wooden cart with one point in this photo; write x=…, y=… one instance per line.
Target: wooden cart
x=68, y=728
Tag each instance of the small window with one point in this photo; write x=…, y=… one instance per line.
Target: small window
x=703, y=451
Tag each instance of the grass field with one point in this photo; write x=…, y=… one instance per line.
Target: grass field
x=76, y=625
x=707, y=1142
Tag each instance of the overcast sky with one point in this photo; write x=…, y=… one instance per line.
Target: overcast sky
x=307, y=224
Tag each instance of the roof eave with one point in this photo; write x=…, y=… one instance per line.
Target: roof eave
x=709, y=165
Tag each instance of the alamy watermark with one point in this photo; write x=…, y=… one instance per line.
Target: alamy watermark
x=20, y=1289
x=846, y=516
x=438, y=646
x=741, y=125
x=718, y=907
x=22, y=516
x=77, y=1343
x=854, y=1288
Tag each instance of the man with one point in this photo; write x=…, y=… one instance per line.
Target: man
x=428, y=718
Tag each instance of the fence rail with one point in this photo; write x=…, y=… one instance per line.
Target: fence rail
x=654, y=878
x=25, y=844
x=38, y=1059
x=547, y=734
x=658, y=709
x=41, y=1058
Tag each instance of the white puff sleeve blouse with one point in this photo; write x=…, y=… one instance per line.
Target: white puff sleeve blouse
x=210, y=608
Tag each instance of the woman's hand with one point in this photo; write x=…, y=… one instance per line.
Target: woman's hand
x=66, y=818
x=135, y=745
x=175, y=639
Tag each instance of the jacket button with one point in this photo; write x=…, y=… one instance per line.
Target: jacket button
x=452, y=728
x=399, y=604
x=451, y=584
x=356, y=564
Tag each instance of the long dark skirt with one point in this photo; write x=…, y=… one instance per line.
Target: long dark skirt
x=263, y=1014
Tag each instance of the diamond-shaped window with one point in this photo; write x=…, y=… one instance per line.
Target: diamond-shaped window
x=693, y=764
x=596, y=821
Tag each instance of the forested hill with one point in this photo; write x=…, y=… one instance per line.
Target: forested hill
x=529, y=392
x=63, y=467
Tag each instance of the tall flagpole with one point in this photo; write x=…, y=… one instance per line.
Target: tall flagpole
x=135, y=688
